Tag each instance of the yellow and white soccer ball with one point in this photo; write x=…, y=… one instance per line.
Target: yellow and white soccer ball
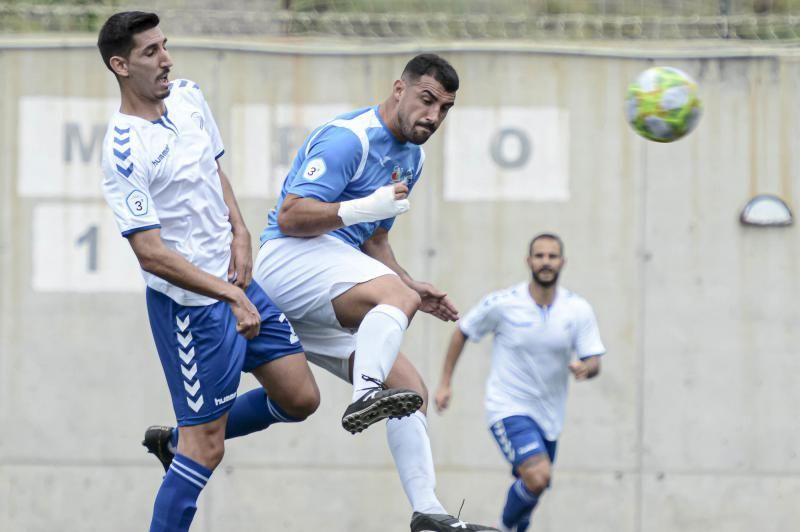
x=662, y=104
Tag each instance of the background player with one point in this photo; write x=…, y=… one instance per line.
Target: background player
x=537, y=328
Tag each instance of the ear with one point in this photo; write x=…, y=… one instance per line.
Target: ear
x=119, y=65
x=398, y=88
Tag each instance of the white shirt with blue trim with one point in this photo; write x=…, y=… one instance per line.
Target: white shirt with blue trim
x=163, y=173
x=532, y=349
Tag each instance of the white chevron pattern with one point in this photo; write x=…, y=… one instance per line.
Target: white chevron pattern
x=184, y=340
x=187, y=356
x=195, y=405
x=192, y=390
x=182, y=324
x=194, y=398
x=189, y=373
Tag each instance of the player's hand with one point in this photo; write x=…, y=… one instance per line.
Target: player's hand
x=435, y=302
x=248, y=320
x=240, y=270
x=580, y=369
x=442, y=398
x=400, y=191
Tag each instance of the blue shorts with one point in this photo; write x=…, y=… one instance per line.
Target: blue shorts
x=203, y=356
x=519, y=438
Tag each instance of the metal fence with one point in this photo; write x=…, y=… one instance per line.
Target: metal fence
x=445, y=19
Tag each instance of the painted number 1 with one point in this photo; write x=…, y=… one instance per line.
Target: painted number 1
x=89, y=237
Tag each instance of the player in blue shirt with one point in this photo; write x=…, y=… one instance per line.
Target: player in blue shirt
x=326, y=261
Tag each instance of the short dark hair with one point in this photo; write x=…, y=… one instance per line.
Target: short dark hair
x=116, y=35
x=550, y=236
x=434, y=66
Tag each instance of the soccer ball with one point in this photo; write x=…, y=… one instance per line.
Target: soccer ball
x=662, y=104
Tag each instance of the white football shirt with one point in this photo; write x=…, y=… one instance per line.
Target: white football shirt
x=532, y=349
x=163, y=173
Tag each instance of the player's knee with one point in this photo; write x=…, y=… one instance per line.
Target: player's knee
x=409, y=301
x=303, y=404
x=211, y=452
x=536, y=481
x=414, y=300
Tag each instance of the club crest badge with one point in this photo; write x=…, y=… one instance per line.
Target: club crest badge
x=397, y=172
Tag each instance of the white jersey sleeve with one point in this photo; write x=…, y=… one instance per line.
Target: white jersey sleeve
x=481, y=319
x=587, y=333
x=126, y=183
x=193, y=93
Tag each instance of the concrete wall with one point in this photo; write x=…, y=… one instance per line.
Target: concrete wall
x=693, y=424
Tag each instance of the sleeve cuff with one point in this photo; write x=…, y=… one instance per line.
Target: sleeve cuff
x=129, y=232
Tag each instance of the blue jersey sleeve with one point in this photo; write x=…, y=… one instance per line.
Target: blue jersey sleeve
x=332, y=159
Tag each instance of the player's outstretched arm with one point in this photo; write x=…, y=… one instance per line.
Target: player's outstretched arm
x=240, y=270
x=154, y=257
x=306, y=217
x=445, y=390
x=434, y=301
x=587, y=368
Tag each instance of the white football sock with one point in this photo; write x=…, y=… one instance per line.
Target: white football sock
x=377, y=344
x=411, y=449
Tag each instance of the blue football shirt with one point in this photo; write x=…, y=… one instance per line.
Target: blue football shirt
x=347, y=158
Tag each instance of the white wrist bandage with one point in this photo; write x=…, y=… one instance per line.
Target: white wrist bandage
x=377, y=206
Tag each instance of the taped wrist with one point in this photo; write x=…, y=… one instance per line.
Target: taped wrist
x=379, y=205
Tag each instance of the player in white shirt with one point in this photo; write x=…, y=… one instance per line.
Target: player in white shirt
x=175, y=205
x=542, y=332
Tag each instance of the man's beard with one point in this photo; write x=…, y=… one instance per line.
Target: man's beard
x=409, y=133
x=542, y=282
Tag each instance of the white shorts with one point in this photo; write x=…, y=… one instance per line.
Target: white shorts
x=302, y=276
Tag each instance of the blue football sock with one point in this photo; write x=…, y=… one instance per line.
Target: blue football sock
x=176, y=501
x=251, y=412
x=523, y=524
x=254, y=411
x=519, y=505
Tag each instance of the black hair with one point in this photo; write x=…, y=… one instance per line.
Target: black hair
x=116, y=35
x=434, y=66
x=551, y=236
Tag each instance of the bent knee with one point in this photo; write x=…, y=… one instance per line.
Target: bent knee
x=210, y=453
x=413, y=299
x=536, y=482
x=405, y=299
x=302, y=405
x=398, y=294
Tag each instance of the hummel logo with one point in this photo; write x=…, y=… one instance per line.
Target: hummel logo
x=161, y=156
x=222, y=401
x=460, y=524
x=529, y=447
x=385, y=159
